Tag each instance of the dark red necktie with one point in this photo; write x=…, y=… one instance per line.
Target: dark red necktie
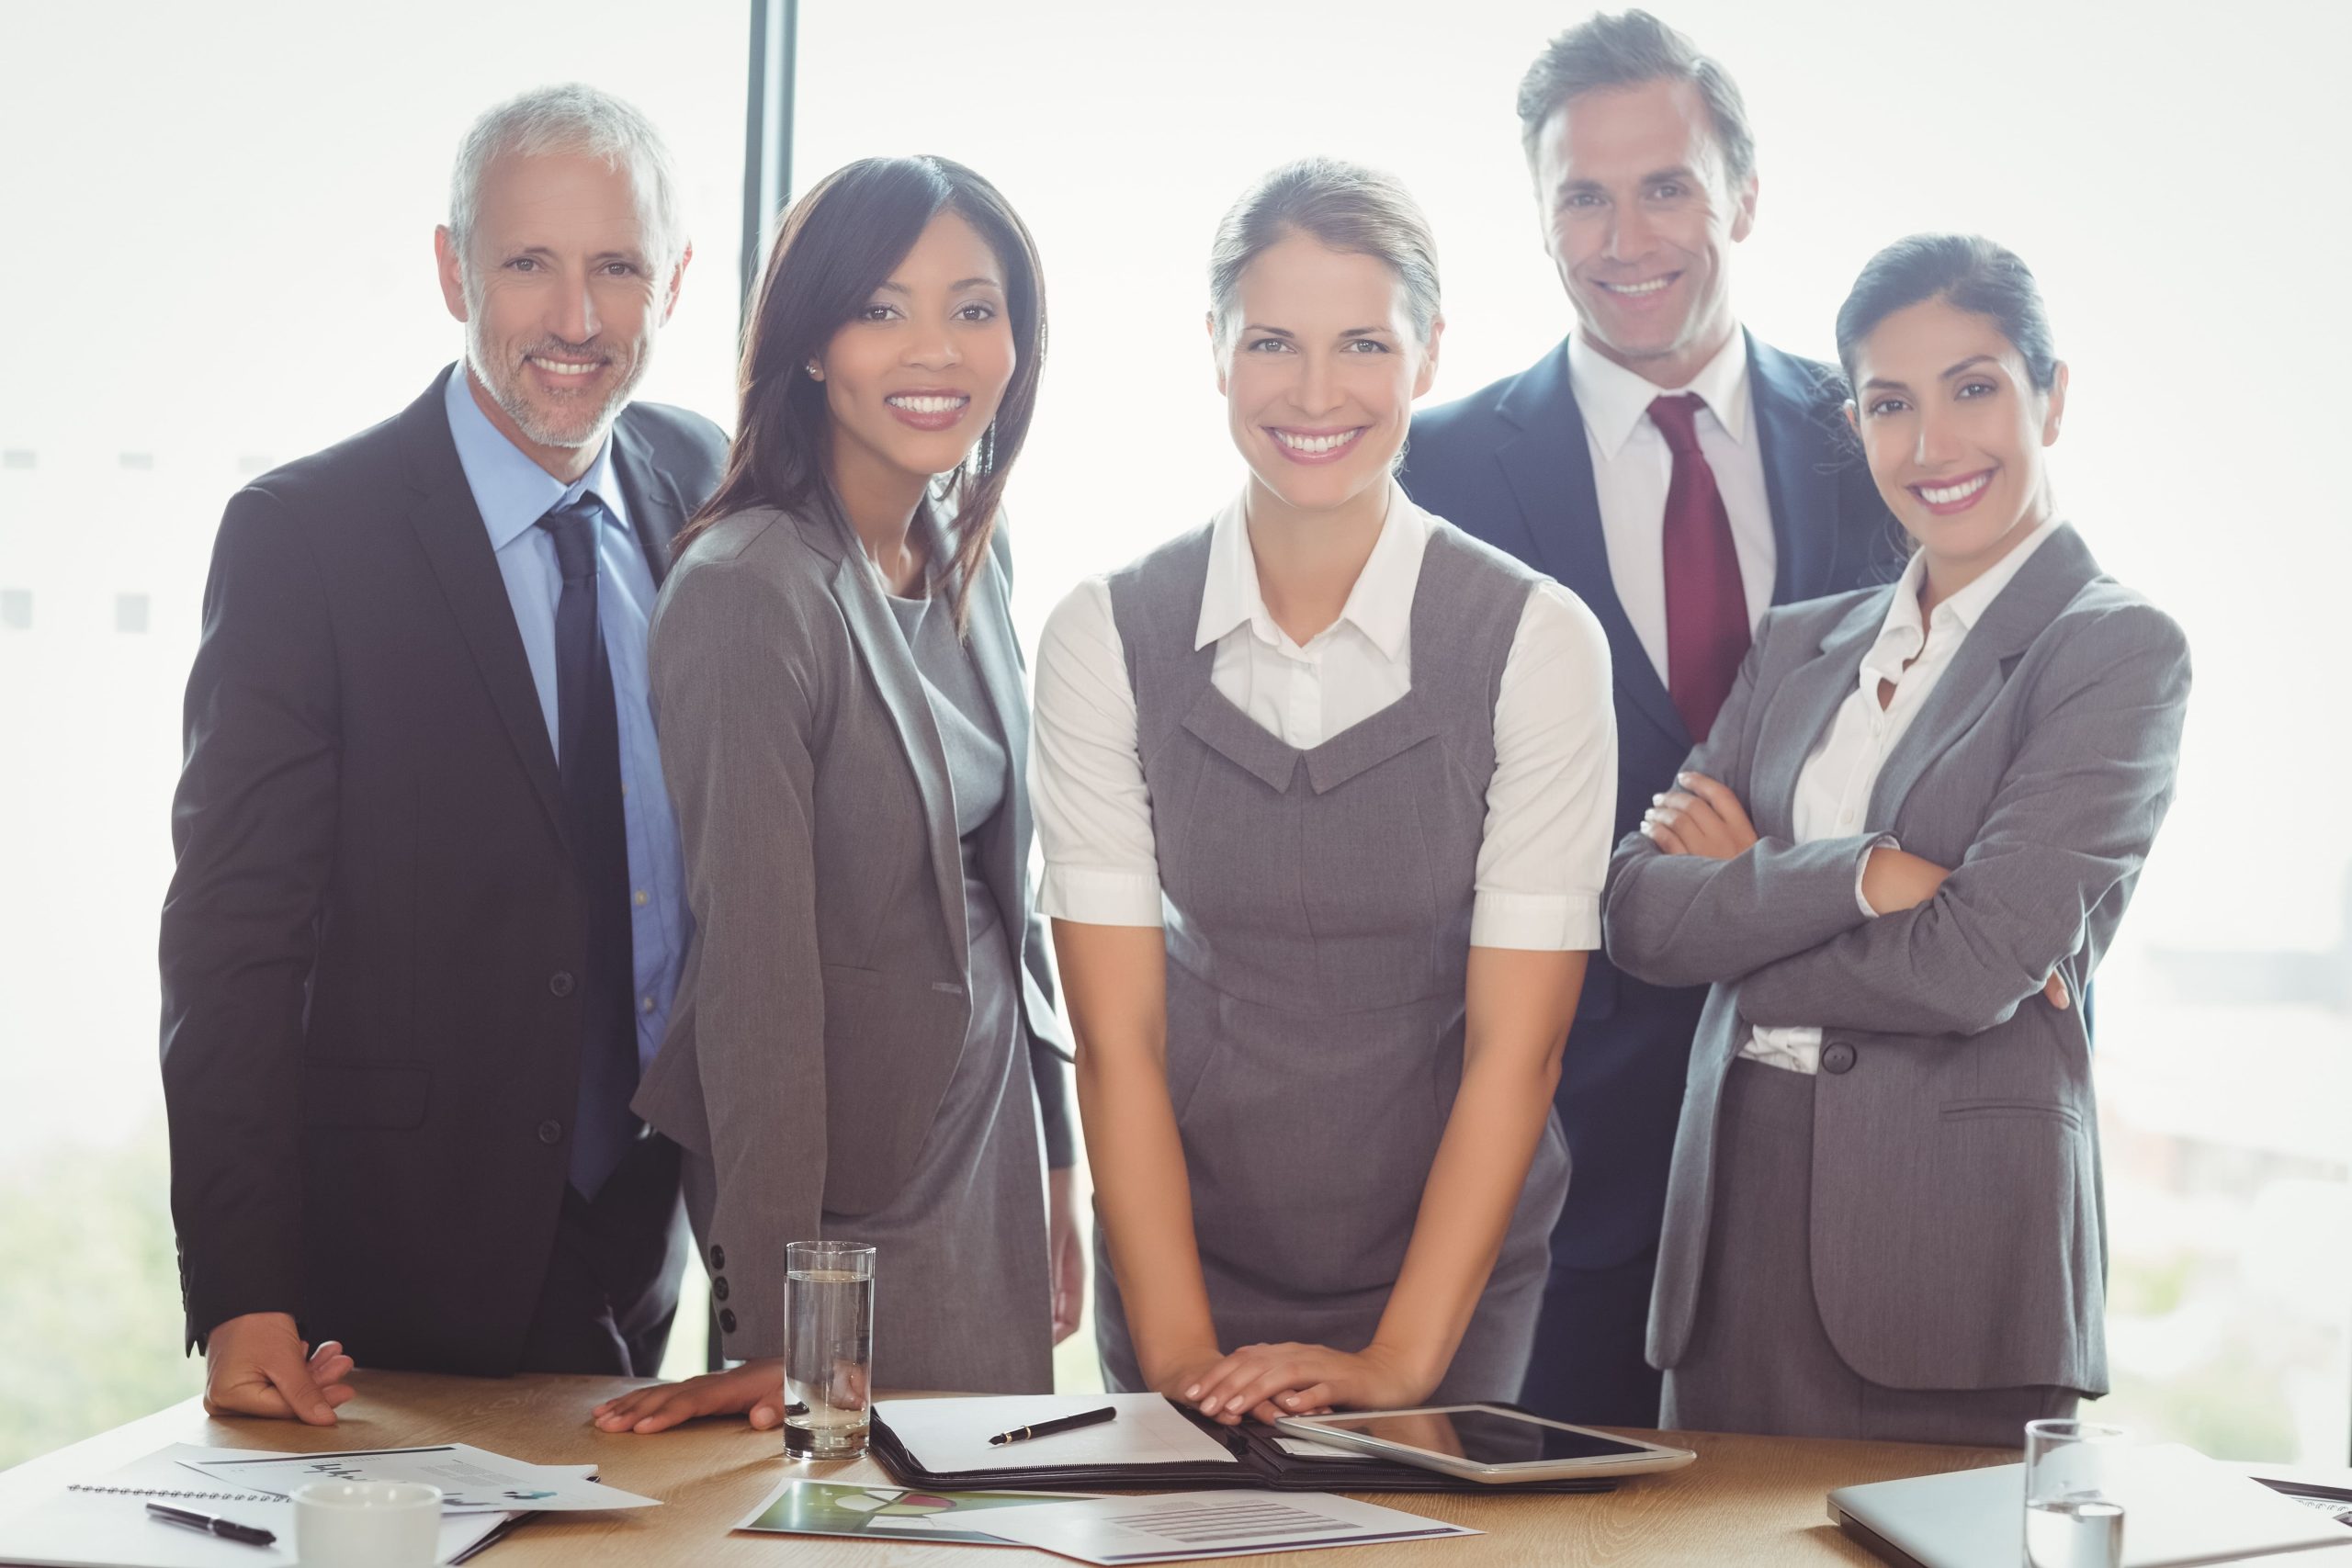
x=1706, y=607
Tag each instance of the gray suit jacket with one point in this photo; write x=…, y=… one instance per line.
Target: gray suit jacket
x=823, y=1004
x=1956, y=1211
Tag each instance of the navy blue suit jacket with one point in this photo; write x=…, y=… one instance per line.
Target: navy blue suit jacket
x=1509, y=465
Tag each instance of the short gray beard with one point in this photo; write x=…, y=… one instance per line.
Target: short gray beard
x=501, y=381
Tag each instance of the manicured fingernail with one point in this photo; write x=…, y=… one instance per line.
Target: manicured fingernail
x=1657, y=800
x=1645, y=829
x=1194, y=1392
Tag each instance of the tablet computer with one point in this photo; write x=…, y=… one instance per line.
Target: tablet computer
x=1486, y=1442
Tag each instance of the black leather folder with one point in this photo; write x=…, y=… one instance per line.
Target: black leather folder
x=1262, y=1464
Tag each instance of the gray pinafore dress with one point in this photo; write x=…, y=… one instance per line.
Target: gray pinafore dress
x=1317, y=908
x=961, y=1298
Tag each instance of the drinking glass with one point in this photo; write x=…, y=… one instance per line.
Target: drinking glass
x=828, y=1348
x=2073, y=1517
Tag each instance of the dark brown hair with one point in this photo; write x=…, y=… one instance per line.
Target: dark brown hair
x=1971, y=272
x=1626, y=50
x=839, y=244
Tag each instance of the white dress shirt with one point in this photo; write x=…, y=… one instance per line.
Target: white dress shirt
x=1545, y=849
x=1631, y=466
x=1834, y=787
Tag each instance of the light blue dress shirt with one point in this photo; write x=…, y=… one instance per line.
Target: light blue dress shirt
x=513, y=494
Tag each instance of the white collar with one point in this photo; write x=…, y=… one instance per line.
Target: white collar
x=1615, y=401
x=1902, y=634
x=1380, y=605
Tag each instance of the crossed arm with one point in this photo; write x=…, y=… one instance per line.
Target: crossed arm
x=1951, y=951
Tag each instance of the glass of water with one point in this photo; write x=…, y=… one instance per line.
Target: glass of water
x=2074, y=1515
x=828, y=1348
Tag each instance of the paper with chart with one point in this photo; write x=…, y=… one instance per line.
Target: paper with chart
x=472, y=1480
x=103, y=1519
x=888, y=1513
x=1175, y=1525
x=950, y=1435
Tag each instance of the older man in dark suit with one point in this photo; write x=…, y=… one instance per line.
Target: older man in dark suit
x=428, y=912
x=1680, y=476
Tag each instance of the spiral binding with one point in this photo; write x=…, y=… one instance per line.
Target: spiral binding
x=164, y=1492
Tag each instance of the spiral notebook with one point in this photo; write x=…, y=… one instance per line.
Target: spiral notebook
x=104, y=1520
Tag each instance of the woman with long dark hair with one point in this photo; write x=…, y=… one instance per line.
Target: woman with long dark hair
x=863, y=1038
x=1897, y=858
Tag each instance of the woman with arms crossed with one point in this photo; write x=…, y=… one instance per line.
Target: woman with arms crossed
x=1897, y=857
x=1366, y=763
x=841, y=713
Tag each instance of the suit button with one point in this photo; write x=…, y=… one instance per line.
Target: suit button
x=718, y=1287
x=1838, y=1058
x=727, y=1320
x=550, y=1131
x=717, y=1255
x=559, y=983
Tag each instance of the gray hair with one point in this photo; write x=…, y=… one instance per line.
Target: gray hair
x=1626, y=50
x=571, y=117
x=1344, y=207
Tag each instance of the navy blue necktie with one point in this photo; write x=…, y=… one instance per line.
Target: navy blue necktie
x=589, y=749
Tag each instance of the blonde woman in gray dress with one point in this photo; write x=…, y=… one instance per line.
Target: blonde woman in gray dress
x=1324, y=789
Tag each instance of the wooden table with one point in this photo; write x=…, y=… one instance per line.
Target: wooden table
x=1748, y=1500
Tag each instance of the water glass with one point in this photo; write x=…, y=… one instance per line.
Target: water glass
x=828, y=1348
x=2074, y=1513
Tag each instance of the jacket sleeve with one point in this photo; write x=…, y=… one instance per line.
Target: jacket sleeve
x=1049, y=1049
x=1690, y=920
x=735, y=691
x=2069, y=826
x=254, y=825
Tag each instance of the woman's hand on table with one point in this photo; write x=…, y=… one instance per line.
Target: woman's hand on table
x=756, y=1387
x=1269, y=1381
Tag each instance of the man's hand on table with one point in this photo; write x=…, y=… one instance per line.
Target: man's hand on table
x=259, y=1364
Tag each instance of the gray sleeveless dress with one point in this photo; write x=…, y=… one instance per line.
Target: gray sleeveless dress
x=961, y=1295
x=1317, y=906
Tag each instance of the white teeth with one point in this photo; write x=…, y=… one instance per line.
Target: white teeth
x=1313, y=444
x=562, y=367
x=1652, y=287
x=1944, y=495
x=927, y=405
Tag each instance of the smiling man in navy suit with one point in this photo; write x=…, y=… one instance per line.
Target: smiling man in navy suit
x=1680, y=477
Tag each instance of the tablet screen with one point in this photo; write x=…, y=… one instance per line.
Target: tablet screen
x=1485, y=1436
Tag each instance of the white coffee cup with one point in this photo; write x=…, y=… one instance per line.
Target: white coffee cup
x=367, y=1524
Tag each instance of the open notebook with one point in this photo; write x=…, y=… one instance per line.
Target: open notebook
x=1152, y=1443
x=104, y=1520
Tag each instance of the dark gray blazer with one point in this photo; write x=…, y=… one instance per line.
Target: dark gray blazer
x=823, y=1004
x=1956, y=1210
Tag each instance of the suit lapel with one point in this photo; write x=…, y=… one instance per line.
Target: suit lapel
x=2021, y=613
x=1791, y=408
x=449, y=529
x=883, y=649
x=649, y=495
x=1549, y=466
x=996, y=656
x=1802, y=708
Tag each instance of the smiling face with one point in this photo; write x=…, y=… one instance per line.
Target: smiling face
x=562, y=292
x=1319, y=369
x=1640, y=216
x=1954, y=431
x=914, y=378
